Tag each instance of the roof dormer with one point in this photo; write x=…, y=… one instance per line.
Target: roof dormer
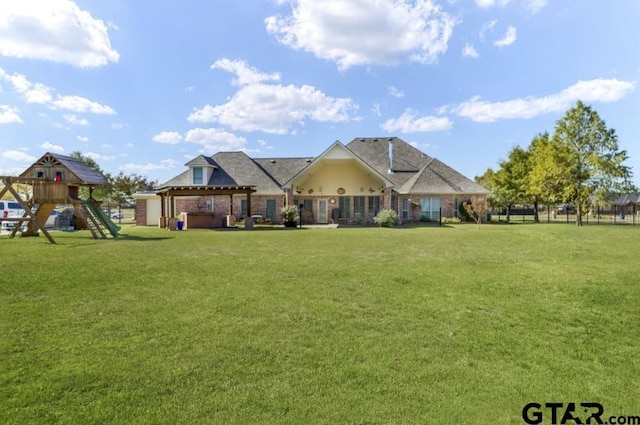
x=201, y=169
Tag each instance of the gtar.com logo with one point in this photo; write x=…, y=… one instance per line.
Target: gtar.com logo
x=573, y=413
x=559, y=413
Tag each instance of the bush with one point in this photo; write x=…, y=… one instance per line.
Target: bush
x=450, y=220
x=386, y=218
x=289, y=213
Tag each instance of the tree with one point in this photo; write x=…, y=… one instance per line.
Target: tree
x=119, y=189
x=476, y=208
x=495, y=198
x=124, y=186
x=101, y=192
x=587, y=160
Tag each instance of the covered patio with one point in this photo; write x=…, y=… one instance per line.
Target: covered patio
x=201, y=219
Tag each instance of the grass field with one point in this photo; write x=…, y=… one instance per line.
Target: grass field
x=450, y=325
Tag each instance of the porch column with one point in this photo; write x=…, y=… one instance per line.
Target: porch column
x=231, y=204
x=249, y=204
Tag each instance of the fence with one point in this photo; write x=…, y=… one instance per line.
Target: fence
x=553, y=214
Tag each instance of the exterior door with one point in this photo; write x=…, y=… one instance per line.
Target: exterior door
x=322, y=211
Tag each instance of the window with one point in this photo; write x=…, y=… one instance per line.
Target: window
x=308, y=204
x=374, y=205
x=358, y=206
x=243, y=207
x=58, y=176
x=344, y=206
x=197, y=175
x=271, y=209
x=405, y=209
x=430, y=208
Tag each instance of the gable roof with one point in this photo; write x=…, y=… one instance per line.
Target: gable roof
x=438, y=178
x=85, y=174
x=627, y=199
x=201, y=160
x=283, y=169
x=231, y=169
x=410, y=169
x=399, y=165
x=339, y=151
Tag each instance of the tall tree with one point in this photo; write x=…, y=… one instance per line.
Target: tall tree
x=101, y=193
x=119, y=189
x=588, y=160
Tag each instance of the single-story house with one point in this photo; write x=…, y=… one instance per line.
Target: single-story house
x=346, y=183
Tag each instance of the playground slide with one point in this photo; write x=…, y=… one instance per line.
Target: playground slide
x=100, y=215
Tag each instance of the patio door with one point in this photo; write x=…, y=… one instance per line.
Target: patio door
x=322, y=211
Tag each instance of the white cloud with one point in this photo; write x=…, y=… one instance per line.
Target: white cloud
x=395, y=92
x=118, y=126
x=214, y=139
x=489, y=3
x=487, y=27
x=50, y=147
x=82, y=138
x=376, y=109
x=245, y=74
x=532, y=6
x=42, y=94
x=168, y=137
x=81, y=104
x=54, y=30
x=599, y=90
x=275, y=109
x=409, y=122
x=189, y=88
x=508, y=39
x=99, y=157
x=165, y=164
x=33, y=93
x=75, y=120
x=18, y=156
x=469, y=51
x=364, y=32
x=9, y=114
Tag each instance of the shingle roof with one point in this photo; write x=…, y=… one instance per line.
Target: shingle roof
x=84, y=172
x=283, y=169
x=627, y=199
x=413, y=171
x=438, y=178
x=201, y=160
x=232, y=169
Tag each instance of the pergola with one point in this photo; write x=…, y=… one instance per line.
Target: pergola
x=168, y=193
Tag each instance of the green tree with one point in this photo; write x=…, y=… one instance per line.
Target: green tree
x=124, y=186
x=101, y=193
x=119, y=189
x=588, y=162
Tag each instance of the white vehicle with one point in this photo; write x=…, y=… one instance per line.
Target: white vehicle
x=10, y=208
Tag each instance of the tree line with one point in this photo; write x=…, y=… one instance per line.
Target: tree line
x=120, y=188
x=579, y=164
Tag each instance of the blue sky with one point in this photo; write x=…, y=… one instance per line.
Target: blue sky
x=144, y=86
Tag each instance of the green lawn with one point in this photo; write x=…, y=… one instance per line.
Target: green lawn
x=449, y=325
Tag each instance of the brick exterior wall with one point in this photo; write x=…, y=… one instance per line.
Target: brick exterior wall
x=220, y=204
x=140, y=212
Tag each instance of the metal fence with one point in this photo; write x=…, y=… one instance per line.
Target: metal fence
x=553, y=214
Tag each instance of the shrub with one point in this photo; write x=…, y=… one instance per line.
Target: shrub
x=289, y=213
x=451, y=220
x=386, y=218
